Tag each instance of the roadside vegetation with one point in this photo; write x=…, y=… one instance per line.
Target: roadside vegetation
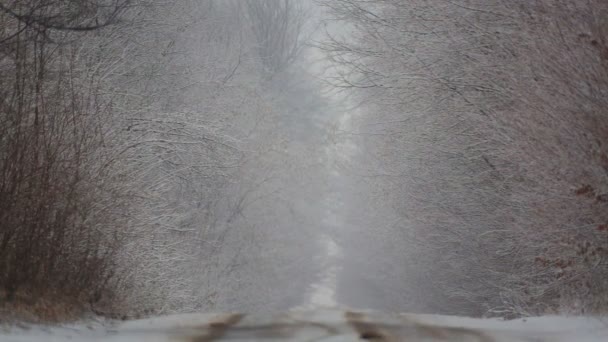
x=125, y=130
x=485, y=130
x=138, y=137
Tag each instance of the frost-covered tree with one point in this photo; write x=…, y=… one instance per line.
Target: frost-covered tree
x=132, y=131
x=485, y=128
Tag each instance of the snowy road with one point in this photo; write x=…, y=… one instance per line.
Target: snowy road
x=322, y=325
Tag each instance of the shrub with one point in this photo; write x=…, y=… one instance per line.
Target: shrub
x=58, y=236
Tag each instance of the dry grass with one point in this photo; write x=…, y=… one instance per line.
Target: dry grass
x=49, y=308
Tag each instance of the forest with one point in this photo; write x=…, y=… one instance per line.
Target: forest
x=428, y=156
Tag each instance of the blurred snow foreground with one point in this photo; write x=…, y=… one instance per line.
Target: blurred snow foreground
x=322, y=325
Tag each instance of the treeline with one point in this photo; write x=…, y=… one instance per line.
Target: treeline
x=485, y=131
x=122, y=124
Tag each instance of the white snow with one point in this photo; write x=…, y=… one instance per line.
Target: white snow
x=323, y=294
x=317, y=325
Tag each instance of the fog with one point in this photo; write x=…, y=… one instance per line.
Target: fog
x=427, y=156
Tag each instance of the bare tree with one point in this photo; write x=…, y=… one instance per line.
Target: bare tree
x=59, y=238
x=65, y=15
x=277, y=28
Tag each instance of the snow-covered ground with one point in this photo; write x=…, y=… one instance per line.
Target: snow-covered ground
x=320, y=325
